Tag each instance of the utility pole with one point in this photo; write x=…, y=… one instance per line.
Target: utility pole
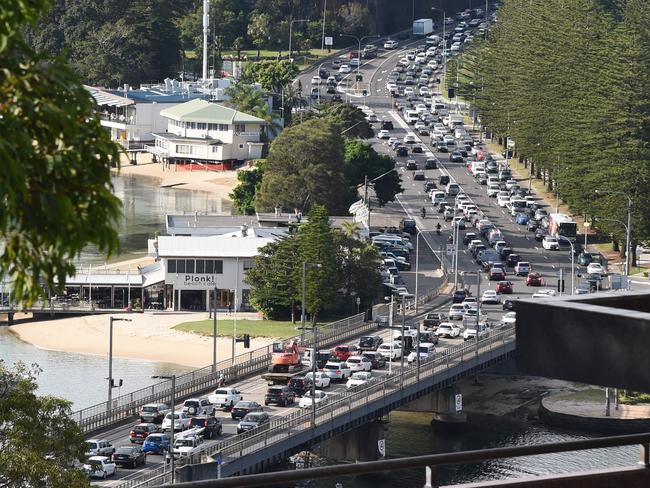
x=171, y=441
x=112, y=319
x=214, y=331
x=302, y=313
x=478, y=309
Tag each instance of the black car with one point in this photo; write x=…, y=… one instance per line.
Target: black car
x=456, y=157
x=459, y=296
x=408, y=225
x=411, y=165
x=300, y=384
x=512, y=260
x=131, y=456
x=386, y=125
x=242, y=408
x=336, y=98
x=429, y=185
x=442, y=147
x=443, y=180
x=370, y=342
x=211, y=425
x=330, y=90
x=540, y=234
x=509, y=304
x=402, y=151
x=377, y=359
x=505, y=252
x=428, y=337
x=430, y=164
x=280, y=395
x=532, y=225
x=469, y=237
x=254, y=420
x=417, y=149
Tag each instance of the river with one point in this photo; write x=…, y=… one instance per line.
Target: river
x=68, y=375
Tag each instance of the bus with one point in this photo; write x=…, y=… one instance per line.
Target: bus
x=562, y=225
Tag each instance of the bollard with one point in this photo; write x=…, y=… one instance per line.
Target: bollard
x=431, y=477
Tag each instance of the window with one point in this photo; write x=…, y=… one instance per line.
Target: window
x=183, y=149
x=248, y=264
x=201, y=125
x=214, y=149
x=171, y=266
x=189, y=266
x=191, y=125
x=218, y=266
x=209, y=266
x=240, y=128
x=241, y=146
x=223, y=127
x=200, y=266
x=180, y=266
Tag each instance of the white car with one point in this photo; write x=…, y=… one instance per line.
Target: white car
x=181, y=421
x=354, y=62
x=550, y=243
x=391, y=86
x=371, y=117
x=321, y=379
x=493, y=190
x=595, y=268
x=99, y=447
x=456, y=311
x=389, y=353
x=99, y=467
x=359, y=363
x=315, y=80
x=409, y=139
x=448, y=329
x=383, y=134
x=490, y=296
x=509, y=318
x=358, y=378
x=225, y=398
x=424, y=90
x=426, y=350
x=470, y=332
x=344, y=69
x=306, y=400
x=503, y=199
x=522, y=268
x=390, y=44
x=337, y=371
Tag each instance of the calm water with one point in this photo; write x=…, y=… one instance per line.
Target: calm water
x=69, y=375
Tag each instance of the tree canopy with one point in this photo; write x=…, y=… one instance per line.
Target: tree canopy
x=243, y=195
x=56, y=158
x=569, y=83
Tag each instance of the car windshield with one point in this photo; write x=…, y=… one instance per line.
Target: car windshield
x=149, y=409
x=154, y=439
x=331, y=366
x=91, y=445
x=244, y=405
x=253, y=417
x=184, y=443
x=275, y=391
x=95, y=465
x=354, y=360
x=124, y=450
x=140, y=428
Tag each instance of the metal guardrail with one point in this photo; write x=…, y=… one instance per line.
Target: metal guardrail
x=126, y=406
x=282, y=428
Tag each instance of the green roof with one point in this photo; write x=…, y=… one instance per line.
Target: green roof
x=212, y=113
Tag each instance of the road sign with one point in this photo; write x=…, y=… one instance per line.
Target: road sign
x=451, y=249
x=217, y=458
x=381, y=446
x=459, y=402
x=329, y=41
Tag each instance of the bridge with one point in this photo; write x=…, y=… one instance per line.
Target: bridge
x=255, y=451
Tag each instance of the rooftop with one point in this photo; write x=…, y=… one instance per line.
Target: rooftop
x=203, y=111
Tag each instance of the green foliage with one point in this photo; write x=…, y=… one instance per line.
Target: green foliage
x=259, y=30
x=39, y=438
x=362, y=160
x=243, y=195
x=272, y=75
x=350, y=120
x=305, y=167
x=569, y=82
x=56, y=158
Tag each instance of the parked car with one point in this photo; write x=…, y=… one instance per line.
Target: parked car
x=154, y=412
x=225, y=398
x=99, y=467
x=306, y=400
x=156, y=443
x=321, y=379
x=245, y=407
x=280, y=395
x=132, y=456
x=254, y=420
x=141, y=431
x=99, y=447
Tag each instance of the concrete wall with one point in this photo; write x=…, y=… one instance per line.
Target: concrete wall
x=361, y=444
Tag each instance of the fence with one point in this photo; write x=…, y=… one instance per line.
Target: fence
x=126, y=406
x=283, y=428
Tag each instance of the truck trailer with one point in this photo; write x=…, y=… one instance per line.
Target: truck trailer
x=422, y=27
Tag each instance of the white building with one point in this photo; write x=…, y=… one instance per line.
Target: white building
x=203, y=132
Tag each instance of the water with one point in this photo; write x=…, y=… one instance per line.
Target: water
x=144, y=209
x=410, y=434
x=80, y=378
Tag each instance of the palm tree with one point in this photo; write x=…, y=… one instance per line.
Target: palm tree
x=350, y=228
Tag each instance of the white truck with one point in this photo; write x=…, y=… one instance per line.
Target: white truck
x=422, y=27
x=185, y=446
x=225, y=398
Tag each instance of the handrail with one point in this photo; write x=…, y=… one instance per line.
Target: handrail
x=428, y=461
x=280, y=428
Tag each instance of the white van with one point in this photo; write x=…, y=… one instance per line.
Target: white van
x=426, y=350
x=437, y=196
x=412, y=116
x=517, y=205
x=478, y=165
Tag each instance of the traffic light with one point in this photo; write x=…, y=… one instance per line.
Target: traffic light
x=247, y=341
x=359, y=77
x=118, y=385
x=451, y=93
x=560, y=286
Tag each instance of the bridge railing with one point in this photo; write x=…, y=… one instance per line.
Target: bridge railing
x=282, y=428
x=127, y=405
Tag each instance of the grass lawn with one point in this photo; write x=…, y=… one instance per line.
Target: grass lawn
x=256, y=328
x=588, y=395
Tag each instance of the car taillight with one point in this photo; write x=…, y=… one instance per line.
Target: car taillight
x=205, y=424
x=338, y=371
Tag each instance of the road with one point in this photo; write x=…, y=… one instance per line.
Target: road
x=410, y=203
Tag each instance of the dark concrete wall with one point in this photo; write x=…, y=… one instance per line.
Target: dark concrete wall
x=361, y=444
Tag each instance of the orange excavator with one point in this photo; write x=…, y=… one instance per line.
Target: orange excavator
x=285, y=357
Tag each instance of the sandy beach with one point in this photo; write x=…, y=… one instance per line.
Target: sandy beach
x=149, y=336
x=218, y=183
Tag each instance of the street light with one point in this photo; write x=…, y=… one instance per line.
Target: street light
x=359, y=39
x=304, y=285
x=171, y=442
x=291, y=35
x=627, y=231
x=628, y=228
x=110, y=360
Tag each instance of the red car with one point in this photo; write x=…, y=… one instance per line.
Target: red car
x=344, y=352
x=534, y=279
x=141, y=431
x=504, y=287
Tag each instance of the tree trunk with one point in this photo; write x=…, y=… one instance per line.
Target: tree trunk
x=293, y=312
x=633, y=260
x=314, y=318
x=615, y=247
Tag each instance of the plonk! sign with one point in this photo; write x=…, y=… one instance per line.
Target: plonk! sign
x=200, y=281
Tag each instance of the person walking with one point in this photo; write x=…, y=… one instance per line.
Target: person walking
x=229, y=308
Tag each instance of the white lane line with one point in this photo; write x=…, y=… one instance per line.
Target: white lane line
x=545, y=257
x=553, y=266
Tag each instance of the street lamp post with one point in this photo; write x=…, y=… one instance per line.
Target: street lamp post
x=417, y=265
x=214, y=331
x=323, y=37
x=359, y=39
x=628, y=244
x=110, y=360
x=586, y=226
x=291, y=35
x=304, y=286
x=390, y=327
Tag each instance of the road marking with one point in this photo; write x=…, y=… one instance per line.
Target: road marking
x=553, y=266
x=545, y=257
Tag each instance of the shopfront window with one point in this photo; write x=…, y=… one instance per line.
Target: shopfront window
x=198, y=266
x=189, y=266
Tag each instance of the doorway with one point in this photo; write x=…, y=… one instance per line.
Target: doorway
x=193, y=300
